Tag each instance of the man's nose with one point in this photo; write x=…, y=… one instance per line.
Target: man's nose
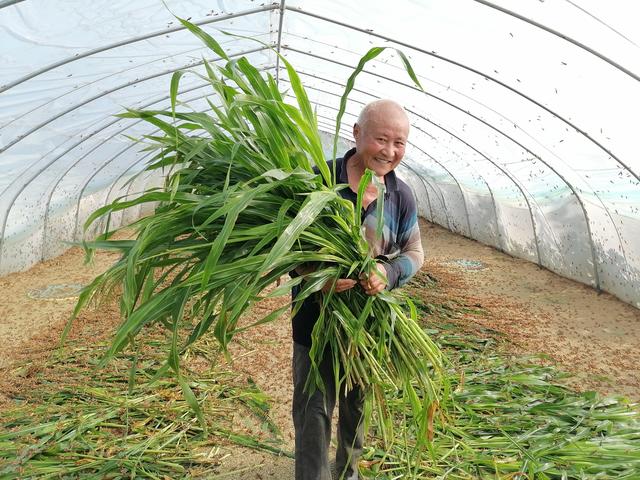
x=388, y=149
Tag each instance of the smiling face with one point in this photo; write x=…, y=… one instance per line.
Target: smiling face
x=381, y=136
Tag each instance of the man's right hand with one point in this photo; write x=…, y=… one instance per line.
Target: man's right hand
x=341, y=285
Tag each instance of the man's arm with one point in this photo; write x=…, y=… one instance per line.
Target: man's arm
x=403, y=264
x=401, y=268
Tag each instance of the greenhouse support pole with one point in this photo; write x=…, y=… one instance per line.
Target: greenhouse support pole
x=444, y=204
x=8, y=3
x=60, y=98
x=279, y=44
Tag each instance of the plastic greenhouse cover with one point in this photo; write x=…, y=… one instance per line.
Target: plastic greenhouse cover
x=523, y=139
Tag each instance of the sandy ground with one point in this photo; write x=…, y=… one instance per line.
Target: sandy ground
x=594, y=336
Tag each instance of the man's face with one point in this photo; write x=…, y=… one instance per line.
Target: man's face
x=381, y=140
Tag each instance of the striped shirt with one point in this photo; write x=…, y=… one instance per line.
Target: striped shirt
x=399, y=248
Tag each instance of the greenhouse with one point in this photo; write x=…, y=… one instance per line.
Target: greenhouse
x=182, y=146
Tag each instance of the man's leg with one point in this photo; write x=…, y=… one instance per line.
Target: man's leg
x=311, y=418
x=350, y=434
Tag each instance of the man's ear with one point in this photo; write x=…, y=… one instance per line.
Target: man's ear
x=356, y=131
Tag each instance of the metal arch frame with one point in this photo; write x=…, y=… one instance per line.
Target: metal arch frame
x=93, y=175
x=42, y=169
x=464, y=201
x=102, y=143
x=130, y=41
x=54, y=99
x=438, y=189
x=408, y=166
x=521, y=188
x=8, y=3
x=515, y=182
x=279, y=44
x=473, y=70
x=74, y=164
x=426, y=180
x=587, y=222
x=560, y=35
x=115, y=89
x=282, y=6
x=410, y=46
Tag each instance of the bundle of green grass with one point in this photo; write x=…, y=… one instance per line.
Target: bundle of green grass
x=241, y=208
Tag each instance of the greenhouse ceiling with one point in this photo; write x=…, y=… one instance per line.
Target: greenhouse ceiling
x=524, y=137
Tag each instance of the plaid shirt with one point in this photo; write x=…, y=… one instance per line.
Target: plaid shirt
x=399, y=248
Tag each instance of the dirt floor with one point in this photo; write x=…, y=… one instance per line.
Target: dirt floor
x=594, y=336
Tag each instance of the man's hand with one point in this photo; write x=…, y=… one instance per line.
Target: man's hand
x=341, y=285
x=376, y=282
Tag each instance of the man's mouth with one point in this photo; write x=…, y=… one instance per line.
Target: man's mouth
x=382, y=160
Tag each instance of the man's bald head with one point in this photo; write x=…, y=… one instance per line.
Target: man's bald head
x=381, y=136
x=380, y=109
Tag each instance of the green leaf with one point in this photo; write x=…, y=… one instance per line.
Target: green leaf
x=207, y=39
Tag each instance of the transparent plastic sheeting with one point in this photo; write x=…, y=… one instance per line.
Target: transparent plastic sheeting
x=522, y=139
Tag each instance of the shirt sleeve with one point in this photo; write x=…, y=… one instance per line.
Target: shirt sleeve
x=406, y=260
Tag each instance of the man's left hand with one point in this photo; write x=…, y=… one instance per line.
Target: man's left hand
x=375, y=282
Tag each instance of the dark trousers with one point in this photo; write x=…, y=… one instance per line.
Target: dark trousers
x=312, y=422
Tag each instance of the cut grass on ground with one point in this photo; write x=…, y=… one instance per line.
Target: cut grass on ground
x=508, y=417
x=85, y=421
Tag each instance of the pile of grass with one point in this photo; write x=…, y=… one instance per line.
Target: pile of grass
x=508, y=418
x=241, y=208
x=88, y=422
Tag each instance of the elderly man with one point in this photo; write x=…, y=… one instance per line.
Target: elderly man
x=381, y=137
